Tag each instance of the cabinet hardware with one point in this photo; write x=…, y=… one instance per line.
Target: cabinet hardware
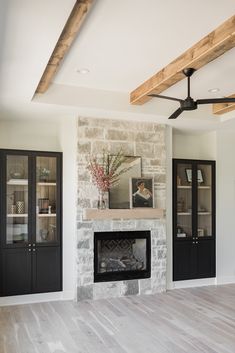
x=34, y=250
x=34, y=245
x=29, y=250
x=193, y=242
x=196, y=242
x=29, y=244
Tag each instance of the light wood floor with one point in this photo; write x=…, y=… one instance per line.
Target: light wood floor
x=194, y=320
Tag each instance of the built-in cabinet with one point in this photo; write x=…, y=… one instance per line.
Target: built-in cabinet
x=30, y=222
x=193, y=219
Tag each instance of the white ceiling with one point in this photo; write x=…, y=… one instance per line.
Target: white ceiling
x=122, y=43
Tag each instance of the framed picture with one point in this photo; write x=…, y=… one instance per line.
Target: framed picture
x=200, y=232
x=188, y=172
x=188, y=175
x=141, y=192
x=119, y=194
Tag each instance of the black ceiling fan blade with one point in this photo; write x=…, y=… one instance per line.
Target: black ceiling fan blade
x=215, y=100
x=176, y=113
x=165, y=97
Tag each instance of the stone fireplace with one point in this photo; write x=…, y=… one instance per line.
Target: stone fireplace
x=124, y=255
x=140, y=275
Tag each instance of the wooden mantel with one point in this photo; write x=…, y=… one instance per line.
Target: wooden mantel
x=134, y=213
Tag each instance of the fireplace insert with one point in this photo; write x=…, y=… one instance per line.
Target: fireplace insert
x=122, y=255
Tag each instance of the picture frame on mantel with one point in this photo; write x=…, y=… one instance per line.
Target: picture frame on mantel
x=119, y=194
x=141, y=192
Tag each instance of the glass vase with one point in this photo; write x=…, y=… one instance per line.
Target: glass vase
x=101, y=203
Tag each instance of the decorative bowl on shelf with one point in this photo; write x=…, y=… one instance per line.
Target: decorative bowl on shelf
x=17, y=172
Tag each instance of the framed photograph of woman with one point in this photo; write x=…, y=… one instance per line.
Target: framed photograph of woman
x=141, y=192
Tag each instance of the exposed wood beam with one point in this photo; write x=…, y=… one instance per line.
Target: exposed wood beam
x=68, y=35
x=207, y=49
x=220, y=109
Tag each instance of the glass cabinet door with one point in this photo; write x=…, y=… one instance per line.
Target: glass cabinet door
x=183, y=200
x=46, y=200
x=16, y=199
x=204, y=203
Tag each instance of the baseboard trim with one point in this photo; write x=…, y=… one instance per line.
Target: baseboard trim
x=192, y=283
x=226, y=280
x=36, y=298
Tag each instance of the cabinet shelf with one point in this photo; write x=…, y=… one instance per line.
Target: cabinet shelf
x=17, y=215
x=189, y=213
x=41, y=215
x=18, y=182
x=42, y=183
x=204, y=187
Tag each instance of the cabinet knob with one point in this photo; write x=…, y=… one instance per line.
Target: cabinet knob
x=29, y=250
x=34, y=250
x=193, y=242
x=196, y=242
x=29, y=244
x=34, y=245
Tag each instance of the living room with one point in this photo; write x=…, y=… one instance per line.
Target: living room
x=84, y=113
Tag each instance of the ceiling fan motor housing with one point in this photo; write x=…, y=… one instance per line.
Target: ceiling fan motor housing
x=188, y=104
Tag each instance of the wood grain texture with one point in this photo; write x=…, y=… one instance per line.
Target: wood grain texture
x=195, y=320
x=220, y=109
x=68, y=35
x=207, y=49
x=135, y=213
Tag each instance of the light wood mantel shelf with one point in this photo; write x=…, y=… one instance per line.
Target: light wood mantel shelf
x=135, y=213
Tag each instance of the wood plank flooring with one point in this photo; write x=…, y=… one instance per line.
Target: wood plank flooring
x=195, y=320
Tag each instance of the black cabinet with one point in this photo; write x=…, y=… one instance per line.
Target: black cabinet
x=193, y=219
x=30, y=222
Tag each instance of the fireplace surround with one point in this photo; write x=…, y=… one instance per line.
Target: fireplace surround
x=145, y=139
x=122, y=255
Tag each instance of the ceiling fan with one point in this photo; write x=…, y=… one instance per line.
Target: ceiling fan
x=189, y=103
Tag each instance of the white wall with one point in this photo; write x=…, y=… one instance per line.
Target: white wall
x=169, y=207
x=225, y=195
x=194, y=146
x=51, y=136
x=38, y=135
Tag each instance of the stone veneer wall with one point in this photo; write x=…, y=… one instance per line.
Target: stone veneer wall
x=136, y=138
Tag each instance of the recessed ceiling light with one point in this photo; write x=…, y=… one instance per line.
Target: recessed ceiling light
x=213, y=90
x=83, y=71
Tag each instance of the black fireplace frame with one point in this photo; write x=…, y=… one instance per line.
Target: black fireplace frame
x=122, y=275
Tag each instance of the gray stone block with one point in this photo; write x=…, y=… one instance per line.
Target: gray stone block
x=84, y=203
x=86, y=225
x=83, y=121
x=127, y=148
x=145, y=149
x=132, y=287
x=94, y=133
x=85, y=292
x=118, y=135
x=84, y=244
x=84, y=147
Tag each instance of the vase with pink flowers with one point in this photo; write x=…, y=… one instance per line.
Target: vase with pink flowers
x=105, y=171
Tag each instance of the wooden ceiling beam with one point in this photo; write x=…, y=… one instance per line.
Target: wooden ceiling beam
x=219, y=109
x=67, y=37
x=207, y=49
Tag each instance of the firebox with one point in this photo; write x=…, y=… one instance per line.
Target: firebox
x=122, y=255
